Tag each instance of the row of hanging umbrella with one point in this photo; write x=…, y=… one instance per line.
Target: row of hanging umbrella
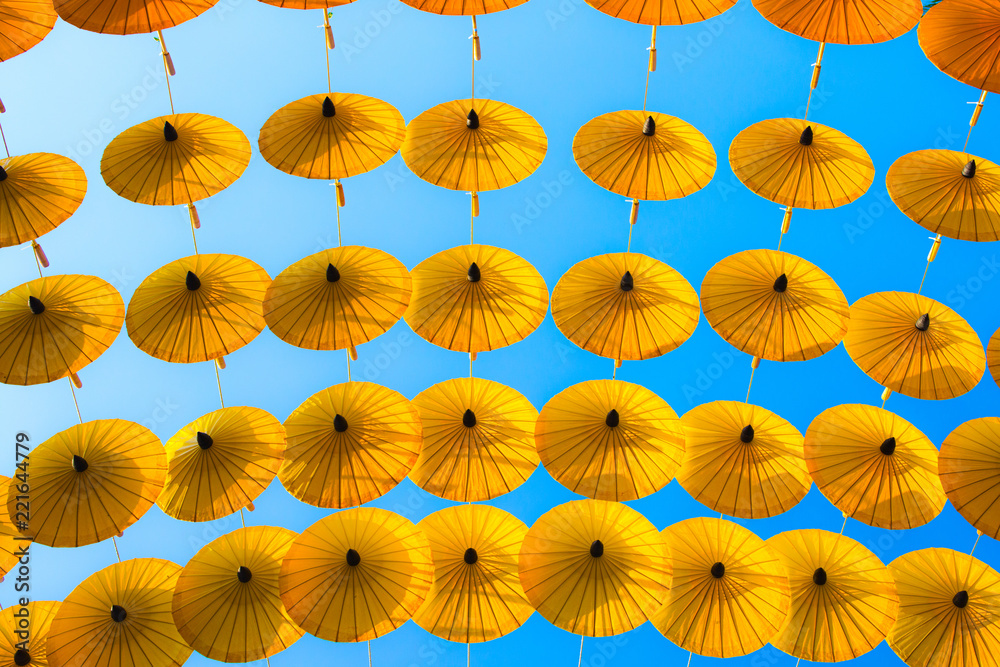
x=472, y=439
x=472, y=573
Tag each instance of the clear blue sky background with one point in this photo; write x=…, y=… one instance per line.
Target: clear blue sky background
x=564, y=63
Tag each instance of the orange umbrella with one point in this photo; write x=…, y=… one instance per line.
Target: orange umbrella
x=38, y=192
x=663, y=12
x=25, y=23
x=843, y=22
x=968, y=465
x=960, y=38
x=993, y=356
x=463, y=7
x=111, y=17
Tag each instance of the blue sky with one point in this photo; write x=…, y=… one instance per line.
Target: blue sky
x=564, y=63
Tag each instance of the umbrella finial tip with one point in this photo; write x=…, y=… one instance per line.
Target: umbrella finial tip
x=781, y=283
x=924, y=322
x=469, y=419
x=204, y=440
x=118, y=613
x=36, y=305
x=597, y=548
x=332, y=274
x=169, y=132
x=888, y=446
x=329, y=110
x=718, y=570
x=627, y=283
x=819, y=576
x=806, y=138
x=243, y=574
x=746, y=435
x=472, y=120
x=649, y=126
x=471, y=556
x=474, y=273
x=353, y=558
x=22, y=657
x=79, y=463
x=3, y=173
x=961, y=599
x=339, y=423
x=612, y=419
x=191, y=281
x=969, y=170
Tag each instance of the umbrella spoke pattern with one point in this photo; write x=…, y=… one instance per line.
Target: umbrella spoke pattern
x=115, y=18
x=969, y=466
x=38, y=192
x=962, y=39
x=25, y=24
x=839, y=22
x=663, y=12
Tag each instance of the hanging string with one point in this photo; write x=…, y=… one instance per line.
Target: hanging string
x=844, y=525
x=115, y=542
x=166, y=67
x=242, y=518
x=979, y=534
x=649, y=70
x=474, y=33
x=327, y=32
x=218, y=381
x=340, y=240
x=348, y=365
x=76, y=403
x=468, y=647
x=369, y=653
x=884, y=399
x=580, y=661
x=4, y=137
x=690, y=655
x=974, y=119
x=753, y=369
x=193, y=239
x=628, y=248
x=37, y=264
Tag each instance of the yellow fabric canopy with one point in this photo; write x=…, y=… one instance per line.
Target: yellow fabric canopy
x=742, y=460
x=198, y=308
x=139, y=16
x=52, y=327
x=801, y=163
x=479, y=439
x=844, y=600
x=220, y=463
x=17, y=648
x=227, y=603
x=646, y=155
x=914, y=345
x=476, y=595
x=38, y=191
x=91, y=482
x=356, y=575
x=663, y=12
x=950, y=193
x=337, y=298
x=625, y=306
x=348, y=135
x=594, y=568
x=730, y=592
x=120, y=617
x=993, y=356
x=774, y=305
x=25, y=24
x=610, y=440
x=874, y=466
x=948, y=605
x=349, y=444
x=463, y=7
x=175, y=159
x=962, y=39
x=968, y=465
x=475, y=298
x=474, y=145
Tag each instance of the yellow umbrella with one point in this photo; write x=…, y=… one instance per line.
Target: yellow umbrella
x=25, y=24
x=463, y=7
x=52, y=327
x=839, y=22
x=220, y=463
x=874, y=466
x=475, y=298
x=959, y=37
x=948, y=605
x=307, y=4
x=120, y=617
x=116, y=18
x=474, y=145
x=801, y=164
x=970, y=458
x=91, y=482
x=356, y=575
x=742, y=460
x=175, y=159
x=348, y=444
x=11, y=541
x=914, y=345
x=730, y=593
x=625, y=306
x=198, y=308
x=337, y=298
x=38, y=192
x=610, y=440
x=227, y=603
x=594, y=568
x=993, y=356
x=331, y=135
x=844, y=600
x=774, y=305
x=476, y=595
x=663, y=12
x=644, y=155
x=24, y=631
x=950, y=193
x=479, y=440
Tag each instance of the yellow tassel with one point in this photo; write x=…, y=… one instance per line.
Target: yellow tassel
x=193, y=213
x=40, y=254
x=755, y=363
x=475, y=204
x=618, y=363
x=327, y=29
x=353, y=351
x=168, y=62
x=3, y=109
x=886, y=393
x=634, y=215
x=220, y=362
x=476, y=52
x=250, y=507
x=77, y=382
x=652, y=59
x=121, y=534
x=473, y=356
x=978, y=110
x=341, y=199
x=934, y=249
x=786, y=222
